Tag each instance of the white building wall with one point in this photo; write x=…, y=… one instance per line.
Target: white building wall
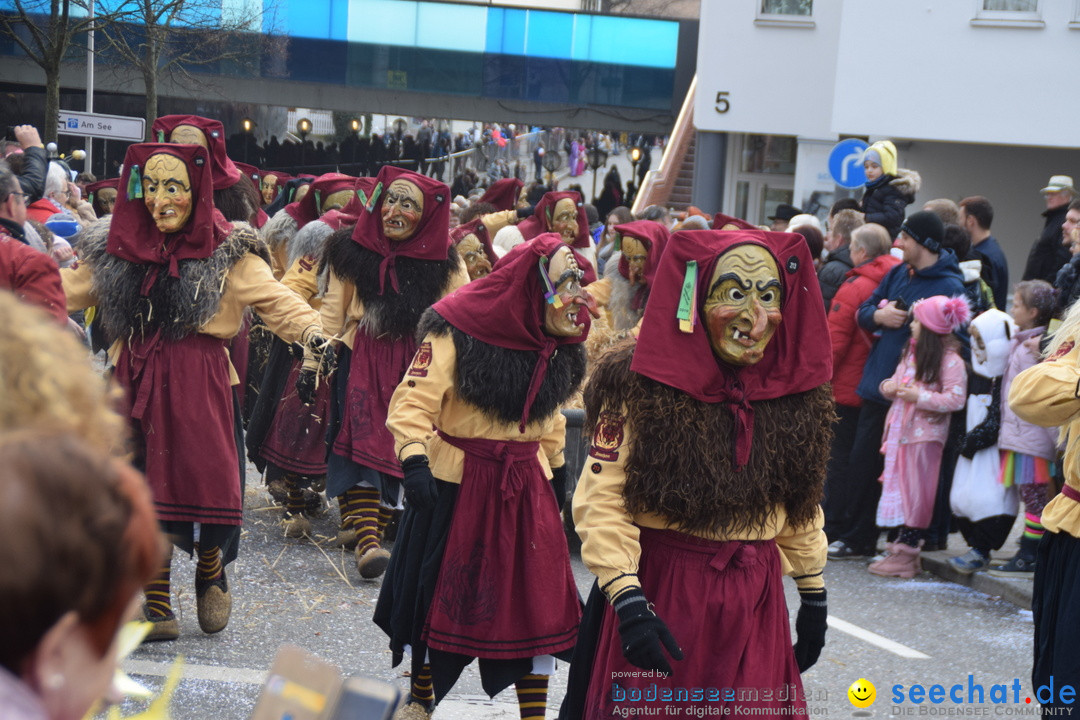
x=779, y=79
x=1009, y=177
x=924, y=70
x=977, y=108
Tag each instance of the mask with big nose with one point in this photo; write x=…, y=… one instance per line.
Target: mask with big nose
x=742, y=310
x=565, y=297
x=167, y=192
x=402, y=208
x=636, y=254
x=472, y=252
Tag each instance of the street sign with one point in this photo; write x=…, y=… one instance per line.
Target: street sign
x=109, y=127
x=845, y=163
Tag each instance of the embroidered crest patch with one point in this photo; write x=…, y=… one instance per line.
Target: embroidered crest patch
x=421, y=361
x=1062, y=351
x=307, y=262
x=608, y=437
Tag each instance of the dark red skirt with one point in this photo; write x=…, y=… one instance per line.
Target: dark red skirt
x=296, y=439
x=724, y=604
x=182, y=409
x=375, y=370
x=505, y=588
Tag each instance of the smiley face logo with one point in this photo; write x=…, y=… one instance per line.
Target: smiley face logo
x=862, y=693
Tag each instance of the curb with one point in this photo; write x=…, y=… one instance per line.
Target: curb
x=1017, y=592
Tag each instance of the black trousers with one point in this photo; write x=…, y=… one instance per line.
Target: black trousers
x=861, y=491
x=836, y=474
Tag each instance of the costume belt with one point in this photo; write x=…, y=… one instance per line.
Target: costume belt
x=1071, y=493
x=505, y=452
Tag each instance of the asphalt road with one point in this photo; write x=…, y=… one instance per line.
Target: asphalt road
x=892, y=632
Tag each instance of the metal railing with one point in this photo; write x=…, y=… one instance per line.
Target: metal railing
x=658, y=184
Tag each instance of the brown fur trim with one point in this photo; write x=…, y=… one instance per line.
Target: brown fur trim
x=680, y=457
x=496, y=380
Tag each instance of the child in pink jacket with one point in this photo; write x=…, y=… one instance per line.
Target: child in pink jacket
x=929, y=384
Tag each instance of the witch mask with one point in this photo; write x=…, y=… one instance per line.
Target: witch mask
x=742, y=310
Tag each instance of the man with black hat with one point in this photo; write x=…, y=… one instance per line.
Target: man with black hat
x=784, y=213
x=928, y=269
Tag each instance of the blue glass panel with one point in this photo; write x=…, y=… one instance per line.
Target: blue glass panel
x=582, y=37
x=633, y=41
x=549, y=34
x=507, y=31
x=382, y=22
x=451, y=27
x=304, y=21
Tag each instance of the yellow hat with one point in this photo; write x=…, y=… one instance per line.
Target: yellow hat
x=883, y=152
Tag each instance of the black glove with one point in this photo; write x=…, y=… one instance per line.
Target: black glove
x=644, y=635
x=306, y=384
x=810, y=625
x=525, y=212
x=420, y=491
x=558, y=483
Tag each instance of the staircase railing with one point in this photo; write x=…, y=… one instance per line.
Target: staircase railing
x=658, y=184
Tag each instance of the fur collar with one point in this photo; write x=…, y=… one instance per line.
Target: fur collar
x=907, y=181
x=179, y=306
x=679, y=459
x=496, y=380
x=393, y=314
x=623, y=315
x=279, y=230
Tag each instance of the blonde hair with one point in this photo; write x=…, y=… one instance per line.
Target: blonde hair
x=47, y=381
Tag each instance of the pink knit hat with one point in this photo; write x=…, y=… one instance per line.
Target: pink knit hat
x=941, y=314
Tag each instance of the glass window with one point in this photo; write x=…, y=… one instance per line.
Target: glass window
x=769, y=154
x=1011, y=5
x=787, y=7
x=1009, y=13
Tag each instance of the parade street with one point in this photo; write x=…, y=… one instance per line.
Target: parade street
x=890, y=632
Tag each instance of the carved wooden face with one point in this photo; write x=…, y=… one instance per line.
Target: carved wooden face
x=269, y=188
x=106, y=199
x=472, y=252
x=402, y=208
x=189, y=135
x=636, y=255
x=336, y=200
x=742, y=310
x=564, y=220
x=565, y=276
x=167, y=192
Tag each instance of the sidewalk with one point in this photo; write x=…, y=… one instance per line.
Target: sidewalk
x=1017, y=591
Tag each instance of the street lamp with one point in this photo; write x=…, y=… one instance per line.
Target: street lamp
x=303, y=127
x=247, y=125
x=355, y=125
x=552, y=161
x=597, y=158
x=635, y=158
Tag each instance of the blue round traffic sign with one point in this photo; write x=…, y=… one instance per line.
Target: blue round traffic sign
x=845, y=163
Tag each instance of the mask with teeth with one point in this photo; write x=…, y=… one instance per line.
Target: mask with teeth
x=167, y=192
x=472, y=252
x=742, y=310
x=561, y=317
x=402, y=208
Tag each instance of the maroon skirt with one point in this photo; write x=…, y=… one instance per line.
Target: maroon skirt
x=296, y=439
x=724, y=604
x=376, y=368
x=505, y=588
x=182, y=409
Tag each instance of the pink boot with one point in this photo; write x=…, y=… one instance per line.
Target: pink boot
x=902, y=561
